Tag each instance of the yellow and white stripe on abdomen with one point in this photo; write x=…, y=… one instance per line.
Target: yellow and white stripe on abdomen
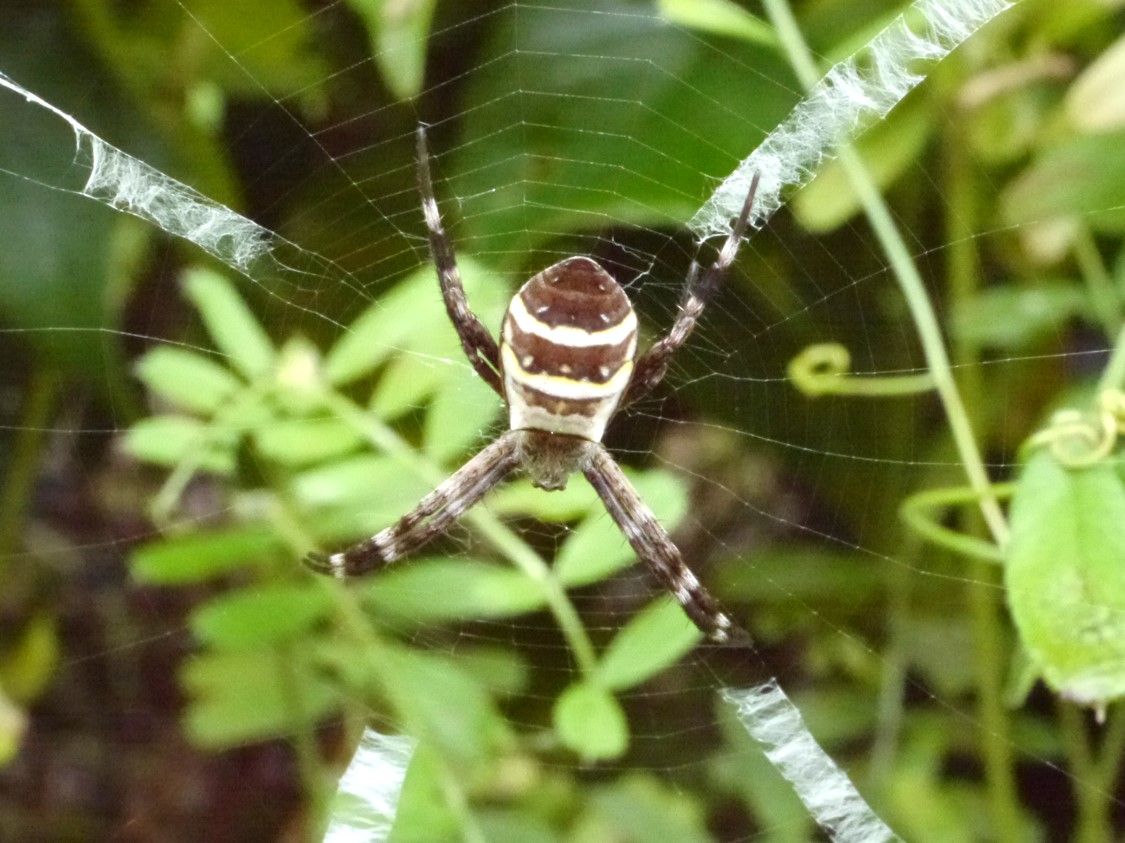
x=567, y=349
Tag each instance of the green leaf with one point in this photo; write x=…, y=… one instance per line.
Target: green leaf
x=443, y=704
x=411, y=317
x=276, y=41
x=590, y=722
x=233, y=328
x=398, y=32
x=571, y=158
x=297, y=377
x=519, y=497
x=300, y=442
x=1014, y=318
x=1096, y=100
x=518, y=825
x=434, y=590
x=657, y=637
x=377, y=483
x=194, y=558
x=1065, y=576
x=597, y=548
x=13, y=727
x=720, y=17
x=381, y=329
x=29, y=659
x=409, y=380
x=459, y=416
x=169, y=440
x=187, y=379
x=1082, y=176
x=424, y=812
x=66, y=266
x=644, y=807
x=502, y=671
x=252, y=695
x=267, y=614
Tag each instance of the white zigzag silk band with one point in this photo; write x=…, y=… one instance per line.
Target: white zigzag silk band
x=855, y=93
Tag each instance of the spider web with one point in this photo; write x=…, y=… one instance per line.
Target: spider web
x=576, y=128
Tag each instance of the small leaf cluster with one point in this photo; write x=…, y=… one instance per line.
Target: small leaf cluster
x=282, y=650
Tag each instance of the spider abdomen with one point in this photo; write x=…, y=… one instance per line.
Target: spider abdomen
x=566, y=350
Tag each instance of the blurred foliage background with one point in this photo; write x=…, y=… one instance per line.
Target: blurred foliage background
x=176, y=438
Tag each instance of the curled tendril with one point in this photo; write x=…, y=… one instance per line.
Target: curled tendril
x=823, y=369
x=1080, y=438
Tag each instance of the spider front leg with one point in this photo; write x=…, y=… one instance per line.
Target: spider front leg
x=479, y=345
x=653, y=364
x=432, y=517
x=656, y=550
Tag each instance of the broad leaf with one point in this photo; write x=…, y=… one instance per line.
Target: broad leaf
x=1096, y=100
x=1082, y=176
x=169, y=440
x=590, y=721
x=252, y=695
x=234, y=329
x=422, y=687
x=1065, y=576
x=519, y=497
x=597, y=547
x=657, y=637
x=299, y=442
x=189, y=380
x=1014, y=318
x=721, y=17
x=266, y=614
x=194, y=558
x=399, y=34
x=434, y=590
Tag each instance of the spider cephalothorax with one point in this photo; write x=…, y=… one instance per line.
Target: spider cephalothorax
x=565, y=364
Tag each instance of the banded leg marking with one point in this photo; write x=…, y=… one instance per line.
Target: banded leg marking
x=432, y=517
x=652, y=366
x=479, y=345
x=655, y=549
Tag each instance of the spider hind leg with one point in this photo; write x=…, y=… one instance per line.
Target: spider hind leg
x=430, y=518
x=656, y=550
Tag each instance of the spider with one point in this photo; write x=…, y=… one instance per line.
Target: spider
x=566, y=363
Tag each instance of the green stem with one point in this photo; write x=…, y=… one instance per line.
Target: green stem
x=1114, y=375
x=309, y=764
x=910, y=282
x=1107, y=304
x=1091, y=797
x=376, y=655
x=982, y=595
x=922, y=510
x=984, y=584
x=1113, y=748
x=822, y=369
x=486, y=524
x=23, y=465
x=219, y=426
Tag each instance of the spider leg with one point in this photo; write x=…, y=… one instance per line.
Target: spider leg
x=431, y=517
x=479, y=345
x=651, y=366
x=656, y=550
